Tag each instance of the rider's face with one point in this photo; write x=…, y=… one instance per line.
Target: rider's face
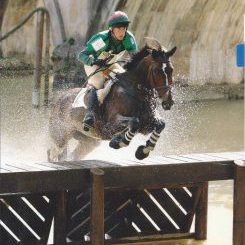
x=119, y=32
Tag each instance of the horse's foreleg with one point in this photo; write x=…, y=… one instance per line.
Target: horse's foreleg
x=84, y=146
x=144, y=150
x=123, y=139
x=57, y=153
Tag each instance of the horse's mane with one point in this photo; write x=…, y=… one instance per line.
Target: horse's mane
x=136, y=58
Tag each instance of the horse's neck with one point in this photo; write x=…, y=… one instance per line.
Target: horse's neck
x=133, y=86
x=129, y=80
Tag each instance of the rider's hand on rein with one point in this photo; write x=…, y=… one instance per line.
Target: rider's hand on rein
x=100, y=62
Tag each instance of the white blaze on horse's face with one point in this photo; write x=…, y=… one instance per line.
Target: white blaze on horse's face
x=163, y=66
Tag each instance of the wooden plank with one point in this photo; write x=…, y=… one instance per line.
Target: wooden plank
x=77, y=220
x=41, y=166
x=77, y=202
x=182, y=158
x=124, y=211
x=26, y=213
x=78, y=214
x=198, y=158
x=114, y=200
x=202, y=214
x=147, y=240
x=60, y=227
x=13, y=168
x=158, y=175
x=5, y=237
x=122, y=229
x=158, y=160
x=53, y=166
x=167, y=239
x=196, y=192
x=241, y=154
x=118, y=223
x=2, y=170
x=182, y=197
x=15, y=225
x=169, y=206
x=144, y=201
x=227, y=155
x=206, y=157
x=39, y=203
x=239, y=204
x=25, y=167
x=80, y=230
x=167, y=159
x=45, y=181
x=97, y=207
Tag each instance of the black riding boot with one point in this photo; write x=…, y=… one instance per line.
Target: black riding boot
x=89, y=117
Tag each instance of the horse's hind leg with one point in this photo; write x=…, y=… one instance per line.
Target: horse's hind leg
x=144, y=150
x=58, y=150
x=57, y=153
x=85, y=145
x=123, y=139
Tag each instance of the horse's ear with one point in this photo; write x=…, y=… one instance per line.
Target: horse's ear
x=171, y=52
x=152, y=43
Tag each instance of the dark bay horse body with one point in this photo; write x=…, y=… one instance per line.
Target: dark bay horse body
x=129, y=108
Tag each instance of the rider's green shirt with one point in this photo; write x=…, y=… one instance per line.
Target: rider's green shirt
x=103, y=41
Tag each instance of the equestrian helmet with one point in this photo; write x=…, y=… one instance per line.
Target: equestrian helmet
x=118, y=19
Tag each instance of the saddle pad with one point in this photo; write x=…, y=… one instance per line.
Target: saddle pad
x=79, y=100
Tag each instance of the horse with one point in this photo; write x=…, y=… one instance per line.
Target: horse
x=129, y=108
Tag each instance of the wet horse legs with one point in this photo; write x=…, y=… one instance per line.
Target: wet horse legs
x=143, y=151
x=123, y=139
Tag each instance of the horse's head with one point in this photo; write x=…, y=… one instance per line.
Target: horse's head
x=158, y=71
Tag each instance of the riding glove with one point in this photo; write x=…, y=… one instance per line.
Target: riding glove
x=99, y=62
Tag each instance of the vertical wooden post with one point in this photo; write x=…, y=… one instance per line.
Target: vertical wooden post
x=239, y=203
x=202, y=214
x=97, y=207
x=60, y=218
x=38, y=60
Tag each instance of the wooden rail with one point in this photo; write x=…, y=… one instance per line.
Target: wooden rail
x=90, y=200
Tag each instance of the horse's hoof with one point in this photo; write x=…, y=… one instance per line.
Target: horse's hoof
x=139, y=154
x=114, y=144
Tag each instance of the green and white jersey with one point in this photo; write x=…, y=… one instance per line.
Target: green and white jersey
x=103, y=41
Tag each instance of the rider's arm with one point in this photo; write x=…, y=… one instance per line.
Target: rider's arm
x=93, y=48
x=86, y=57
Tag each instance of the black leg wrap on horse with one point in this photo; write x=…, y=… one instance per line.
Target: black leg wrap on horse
x=135, y=125
x=159, y=126
x=89, y=117
x=117, y=140
x=150, y=144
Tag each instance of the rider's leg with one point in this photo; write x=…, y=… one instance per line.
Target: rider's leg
x=92, y=103
x=96, y=82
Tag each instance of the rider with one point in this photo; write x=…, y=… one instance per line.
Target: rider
x=114, y=40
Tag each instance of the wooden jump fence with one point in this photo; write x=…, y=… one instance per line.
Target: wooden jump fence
x=96, y=202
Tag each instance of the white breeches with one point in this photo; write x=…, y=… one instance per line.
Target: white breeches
x=97, y=80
